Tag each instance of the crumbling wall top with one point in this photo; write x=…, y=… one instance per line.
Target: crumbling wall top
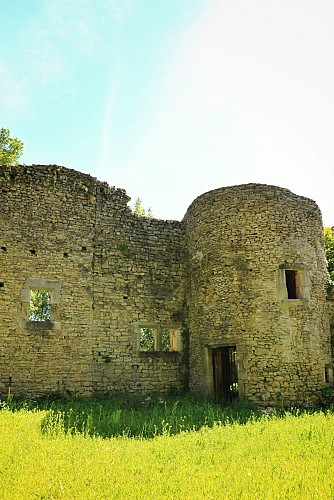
x=55, y=175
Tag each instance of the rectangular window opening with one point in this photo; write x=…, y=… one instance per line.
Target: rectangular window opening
x=165, y=340
x=328, y=374
x=147, y=339
x=160, y=340
x=40, y=305
x=291, y=283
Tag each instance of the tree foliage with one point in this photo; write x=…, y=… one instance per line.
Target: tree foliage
x=10, y=149
x=39, y=309
x=329, y=245
x=140, y=210
x=147, y=339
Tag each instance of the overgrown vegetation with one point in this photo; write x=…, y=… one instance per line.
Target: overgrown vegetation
x=329, y=245
x=55, y=449
x=147, y=339
x=10, y=148
x=140, y=210
x=39, y=308
x=140, y=418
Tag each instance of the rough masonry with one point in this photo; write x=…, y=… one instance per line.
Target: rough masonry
x=238, y=287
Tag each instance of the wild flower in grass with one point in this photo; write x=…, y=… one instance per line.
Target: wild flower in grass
x=166, y=428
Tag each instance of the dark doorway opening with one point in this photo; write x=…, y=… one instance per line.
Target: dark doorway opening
x=225, y=376
x=291, y=284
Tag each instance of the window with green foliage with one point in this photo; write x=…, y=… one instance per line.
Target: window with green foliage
x=146, y=339
x=165, y=339
x=160, y=340
x=40, y=305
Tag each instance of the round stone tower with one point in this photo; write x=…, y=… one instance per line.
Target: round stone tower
x=256, y=296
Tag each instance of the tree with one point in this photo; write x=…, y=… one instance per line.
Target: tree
x=329, y=245
x=148, y=337
x=140, y=210
x=10, y=149
x=40, y=309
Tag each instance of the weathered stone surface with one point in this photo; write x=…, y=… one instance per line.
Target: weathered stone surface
x=240, y=241
x=219, y=275
x=115, y=269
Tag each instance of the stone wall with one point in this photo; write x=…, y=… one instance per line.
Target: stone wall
x=139, y=280
x=221, y=276
x=116, y=272
x=241, y=241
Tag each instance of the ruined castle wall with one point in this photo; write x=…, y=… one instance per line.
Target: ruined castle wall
x=47, y=220
x=222, y=275
x=330, y=306
x=139, y=281
x=241, y=241
x=108, y=272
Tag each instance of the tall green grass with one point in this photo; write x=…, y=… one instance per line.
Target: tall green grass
x=284, y=456
x=144, y=419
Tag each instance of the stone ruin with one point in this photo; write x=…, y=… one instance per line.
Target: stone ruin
x=228, y=303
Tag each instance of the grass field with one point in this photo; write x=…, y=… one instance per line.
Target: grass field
x=183, y=449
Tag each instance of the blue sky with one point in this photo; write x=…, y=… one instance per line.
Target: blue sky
x=171, y=98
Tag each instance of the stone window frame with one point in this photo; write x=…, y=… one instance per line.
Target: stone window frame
x=328, y=375
x=303, y=283
x=175, y=332
x=241, y=355
x=51, y=286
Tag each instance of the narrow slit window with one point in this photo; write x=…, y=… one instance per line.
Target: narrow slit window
x=40, y=305
x=291, y=284
x=328, y=374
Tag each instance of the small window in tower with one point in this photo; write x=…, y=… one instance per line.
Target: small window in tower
x=328, y=374
x=294, y=285
x=40, y=305
x=291, y=283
